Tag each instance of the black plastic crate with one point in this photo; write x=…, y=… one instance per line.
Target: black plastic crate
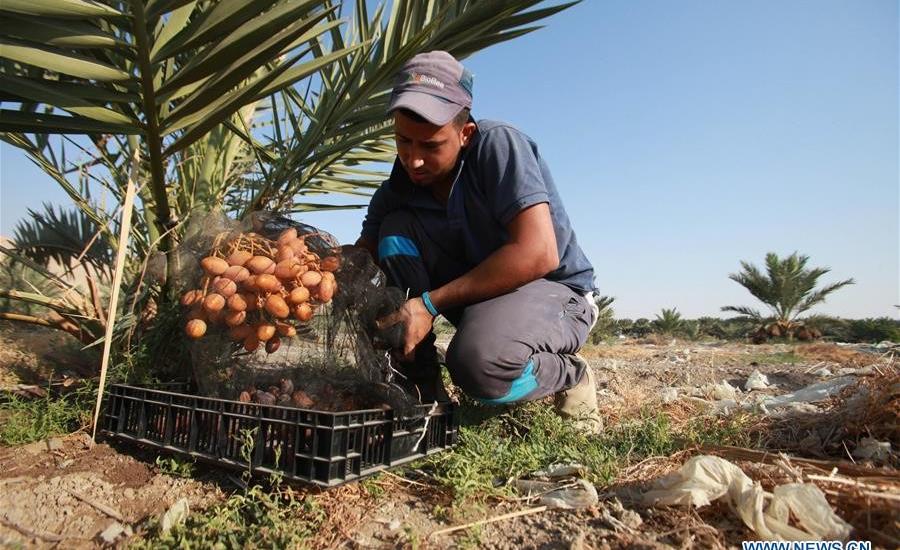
x=317, y=447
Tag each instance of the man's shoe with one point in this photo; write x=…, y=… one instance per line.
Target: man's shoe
x=579, y=402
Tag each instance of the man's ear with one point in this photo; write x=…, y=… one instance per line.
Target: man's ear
x=466, y=132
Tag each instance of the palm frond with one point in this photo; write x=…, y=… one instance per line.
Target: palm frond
x=743, y=310
x=788, y=288
x=344, y=123
x=64, y=236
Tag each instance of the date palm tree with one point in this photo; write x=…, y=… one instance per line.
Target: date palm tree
x=235, y=105
x=668, y=321
x=787, y=288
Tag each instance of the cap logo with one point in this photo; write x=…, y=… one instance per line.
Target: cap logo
x=418, y=78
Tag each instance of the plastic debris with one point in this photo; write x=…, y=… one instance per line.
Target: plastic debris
x=756, y=381
x=720, y=391
x=175, y=515
x=668, y=395
x=114, y=531
x=871, y=448
x=822, y=372
x=703, y=479
x=725, y=407
x=562, y=470
x=856, y=371
x=618, y=518
x=573, y=494
x=560, y=486
x=809, y=394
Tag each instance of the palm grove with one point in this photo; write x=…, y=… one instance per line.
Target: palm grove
x=786, y=286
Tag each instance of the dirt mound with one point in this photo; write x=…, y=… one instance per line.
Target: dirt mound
x=64, y=493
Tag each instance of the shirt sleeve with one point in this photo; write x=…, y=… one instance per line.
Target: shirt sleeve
x=378, y=209
x=510, y=170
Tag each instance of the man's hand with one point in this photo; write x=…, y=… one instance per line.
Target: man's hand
x=369, y=244
x=417, y=321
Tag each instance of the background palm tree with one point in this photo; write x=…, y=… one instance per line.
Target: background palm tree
x=606, y=321
x=668, y=321
x=787, y=288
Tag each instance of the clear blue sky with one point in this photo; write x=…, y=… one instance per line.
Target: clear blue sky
x=687, y=136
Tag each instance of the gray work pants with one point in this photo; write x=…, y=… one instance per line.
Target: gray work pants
x=515, y=347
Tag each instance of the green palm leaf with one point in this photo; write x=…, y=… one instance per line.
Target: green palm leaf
x=788, y=287
x=234, y=104
x=60, y=8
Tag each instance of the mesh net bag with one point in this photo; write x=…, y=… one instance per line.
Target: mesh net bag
x=279, y=313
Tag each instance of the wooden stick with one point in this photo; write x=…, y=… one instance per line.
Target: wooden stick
x=884, y=496
x=11, y=480
x=403, y=479
x=124, y=233
x=769, y=457
x=26, y=531
x=866, y=489
x=846, y=450
x=100, y=506
x=510, y=515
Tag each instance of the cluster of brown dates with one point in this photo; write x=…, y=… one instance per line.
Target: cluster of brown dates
x=259, y=289
x=286, y=395
x=282, y=394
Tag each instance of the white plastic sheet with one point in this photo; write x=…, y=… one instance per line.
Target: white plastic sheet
x=560, y=486
x=175, y=515
x=756, y=381
x=809, y=394
x=869, y=447
x=721, y=391
x=703, y=479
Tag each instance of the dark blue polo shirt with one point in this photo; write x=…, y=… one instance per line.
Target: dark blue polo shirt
x=500, y=173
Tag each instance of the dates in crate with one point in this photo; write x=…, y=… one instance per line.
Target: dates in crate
x=325, y=397
x=259, y=290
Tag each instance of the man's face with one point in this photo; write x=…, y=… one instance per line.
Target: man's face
x=429, y=152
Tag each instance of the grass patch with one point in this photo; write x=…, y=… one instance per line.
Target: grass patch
x=27, y=420
x=496, y=448
x=256, y=518
x=175, y=466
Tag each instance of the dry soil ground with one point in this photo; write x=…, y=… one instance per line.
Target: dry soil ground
x=65, y=492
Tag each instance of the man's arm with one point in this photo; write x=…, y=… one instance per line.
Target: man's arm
x=529, y=254
x=378, y=208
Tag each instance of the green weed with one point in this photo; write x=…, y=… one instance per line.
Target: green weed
x=28, y=420
x=373, y=486
x=413, y=537
x=470, y=539
x=174, y=466
x=731, y=430
x=497, y=446
x=256, y=518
